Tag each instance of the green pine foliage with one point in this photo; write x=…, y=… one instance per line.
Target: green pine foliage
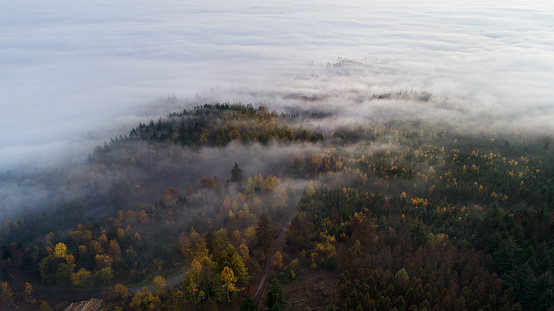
x=408, y=215
x=275, y=299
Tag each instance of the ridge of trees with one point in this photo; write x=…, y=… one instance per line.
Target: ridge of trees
x=409, y=215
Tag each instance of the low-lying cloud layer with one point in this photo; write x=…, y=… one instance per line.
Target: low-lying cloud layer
x=70, y=69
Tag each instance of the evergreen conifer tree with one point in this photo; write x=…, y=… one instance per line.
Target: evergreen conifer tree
x=264, y=233
x=236, y=175
x=275, y=296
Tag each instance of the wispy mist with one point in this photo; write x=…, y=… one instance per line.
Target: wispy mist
x=73, y=74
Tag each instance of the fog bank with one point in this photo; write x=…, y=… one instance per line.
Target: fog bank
x=75, y=73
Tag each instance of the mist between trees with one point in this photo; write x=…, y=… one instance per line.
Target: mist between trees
x=149, y=201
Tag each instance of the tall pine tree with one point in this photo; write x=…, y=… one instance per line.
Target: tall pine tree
x=275, y=297
x=236, y=176
x=264, y=233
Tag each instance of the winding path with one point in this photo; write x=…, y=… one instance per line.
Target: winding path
x=280, y=242
x=82, y=294
x=171, y=282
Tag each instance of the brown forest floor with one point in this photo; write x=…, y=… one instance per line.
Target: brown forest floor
x=312, y=290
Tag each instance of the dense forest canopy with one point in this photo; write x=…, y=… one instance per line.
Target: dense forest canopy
x=408, y=214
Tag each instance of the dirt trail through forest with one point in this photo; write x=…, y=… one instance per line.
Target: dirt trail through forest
x=77, y=295
x=171, y=282
x=280, y=242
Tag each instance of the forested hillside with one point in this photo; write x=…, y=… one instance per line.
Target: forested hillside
x=406, y=214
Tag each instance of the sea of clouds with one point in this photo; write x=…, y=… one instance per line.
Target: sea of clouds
x=73, y=73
